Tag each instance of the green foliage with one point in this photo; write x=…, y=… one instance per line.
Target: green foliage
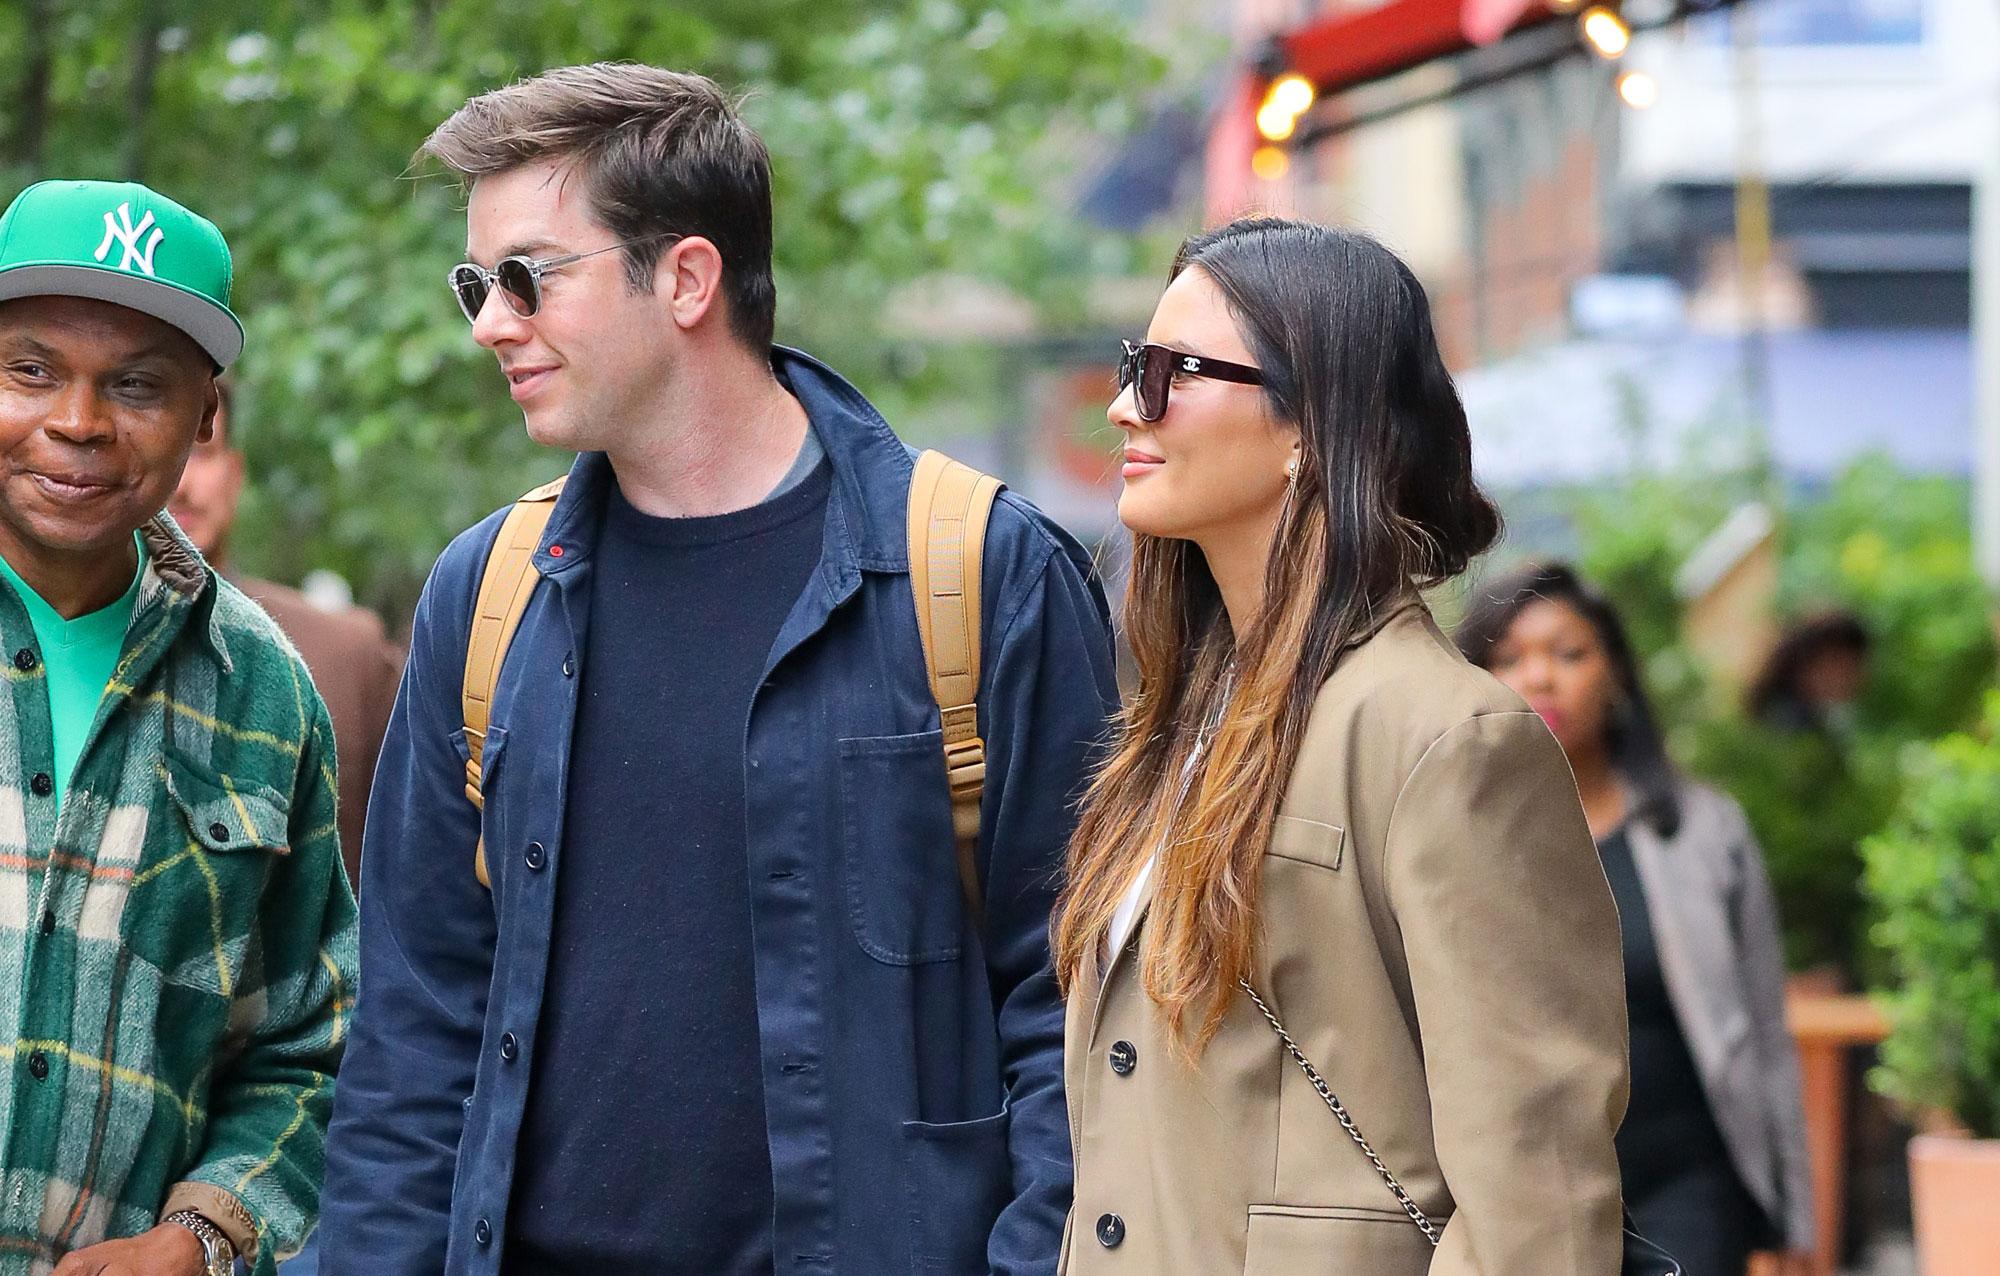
x=1634, y=536
x=1811, y=798
x=1892, y=547
x=1896, y=549
x=909, y=138
x=1934, y=877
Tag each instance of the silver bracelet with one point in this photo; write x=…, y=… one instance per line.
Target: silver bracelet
x=217, y=1252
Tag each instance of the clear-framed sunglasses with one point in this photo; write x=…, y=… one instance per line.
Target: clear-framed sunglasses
x=520, y=278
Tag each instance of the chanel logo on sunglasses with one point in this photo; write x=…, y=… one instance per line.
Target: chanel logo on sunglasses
x=1149, y=369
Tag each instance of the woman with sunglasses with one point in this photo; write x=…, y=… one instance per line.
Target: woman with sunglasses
x=1345, y=994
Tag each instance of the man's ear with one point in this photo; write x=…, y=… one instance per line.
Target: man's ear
x=211, y=404
x=689, y=280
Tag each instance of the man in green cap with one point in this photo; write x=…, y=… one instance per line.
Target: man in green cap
x=177, y=940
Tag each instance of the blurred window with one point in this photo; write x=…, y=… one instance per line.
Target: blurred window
x=1826, y=24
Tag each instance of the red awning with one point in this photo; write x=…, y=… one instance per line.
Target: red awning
x=1341, y=50
x=1352, y=46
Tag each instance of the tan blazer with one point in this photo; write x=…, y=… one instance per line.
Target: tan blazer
x=1439, y=938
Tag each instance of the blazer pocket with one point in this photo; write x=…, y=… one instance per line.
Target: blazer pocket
x=899, y=857
x=957, y=1178
x=1309, y=1240
x=1294, y=837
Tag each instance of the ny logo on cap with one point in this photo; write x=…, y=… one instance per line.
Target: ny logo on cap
x=119, y=229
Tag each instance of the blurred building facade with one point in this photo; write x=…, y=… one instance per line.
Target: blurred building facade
x=1582, y=252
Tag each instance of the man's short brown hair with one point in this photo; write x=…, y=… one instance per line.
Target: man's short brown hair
x=659, y=152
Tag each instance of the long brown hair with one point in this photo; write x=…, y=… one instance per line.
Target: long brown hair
x=1384, y=504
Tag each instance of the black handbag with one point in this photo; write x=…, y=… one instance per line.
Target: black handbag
x=1642, y=1257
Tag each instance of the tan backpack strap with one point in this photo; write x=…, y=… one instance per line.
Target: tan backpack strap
x=949, y=506
x=504, y=592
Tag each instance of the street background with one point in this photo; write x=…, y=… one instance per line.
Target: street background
x=1712, y=278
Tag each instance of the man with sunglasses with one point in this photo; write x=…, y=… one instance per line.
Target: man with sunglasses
x=724, y=1011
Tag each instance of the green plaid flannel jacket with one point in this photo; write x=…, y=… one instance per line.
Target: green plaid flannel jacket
x=177, y=950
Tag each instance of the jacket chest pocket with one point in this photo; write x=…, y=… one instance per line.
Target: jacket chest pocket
x=1294, y=837
x=899, y=859
x=191, y=904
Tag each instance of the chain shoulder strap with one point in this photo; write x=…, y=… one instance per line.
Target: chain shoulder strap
x=1339, y=1111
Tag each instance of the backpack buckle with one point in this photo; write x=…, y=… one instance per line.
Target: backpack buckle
x=965, y=767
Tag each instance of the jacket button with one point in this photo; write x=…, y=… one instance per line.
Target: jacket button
x=535, y=857
x=219, y=831
x=569, y=666
x=482, y=1231
x=41, y=784
x=1111, y=1231
x=24, y=659
x=38, y=1066
x=509, y=1047
x=1123, y=1058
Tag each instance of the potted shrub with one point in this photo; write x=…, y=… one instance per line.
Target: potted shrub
x=1933, y=875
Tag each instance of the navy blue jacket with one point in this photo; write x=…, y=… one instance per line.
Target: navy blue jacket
x=912, y=1068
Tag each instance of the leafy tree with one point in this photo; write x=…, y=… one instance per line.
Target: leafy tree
x=909, y=137
x=1896, y=548
x=1893, y=547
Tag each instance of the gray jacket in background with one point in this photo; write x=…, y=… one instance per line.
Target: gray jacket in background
x=1709, y=899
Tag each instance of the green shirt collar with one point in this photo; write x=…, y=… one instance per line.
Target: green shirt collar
x=107, y=621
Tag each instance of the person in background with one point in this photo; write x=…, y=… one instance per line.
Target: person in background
x=353, y=662
x=1713, y=1149
x=1814, y=676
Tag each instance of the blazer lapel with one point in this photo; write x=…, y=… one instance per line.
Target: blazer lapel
x=1679, y=966
x=1121, y=955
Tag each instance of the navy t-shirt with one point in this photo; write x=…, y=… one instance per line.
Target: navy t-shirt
x=644, y=1149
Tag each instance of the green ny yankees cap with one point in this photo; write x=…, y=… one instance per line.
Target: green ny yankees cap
x=123, y=243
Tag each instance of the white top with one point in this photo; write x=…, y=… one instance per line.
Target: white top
x=1127, y=915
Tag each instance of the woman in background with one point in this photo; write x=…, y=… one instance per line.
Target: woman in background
x=1713, y=1148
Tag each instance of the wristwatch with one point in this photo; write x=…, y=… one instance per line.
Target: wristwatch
x=216, y=1251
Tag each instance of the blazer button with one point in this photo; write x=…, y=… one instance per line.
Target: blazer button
x=509, y=1047
x=38, y=1066
x=1111, y=1231
x=482, y=1231
x=1124, y=1058
x=24, y=659
x=535, y=856
x=41, y=784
